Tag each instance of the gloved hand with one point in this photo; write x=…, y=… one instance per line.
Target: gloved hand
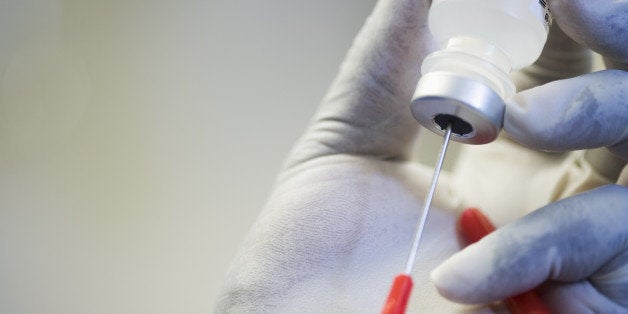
x=340, y=221
x=577, y=247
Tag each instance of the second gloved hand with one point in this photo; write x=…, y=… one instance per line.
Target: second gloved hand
x=340, y=220
x=578, y=247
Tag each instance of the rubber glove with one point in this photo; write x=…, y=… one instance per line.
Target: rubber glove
x=339, y=223
x=576, y=248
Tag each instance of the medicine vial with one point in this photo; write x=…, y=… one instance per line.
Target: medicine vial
x=465, y=83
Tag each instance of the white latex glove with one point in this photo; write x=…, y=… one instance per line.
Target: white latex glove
x=577, y=247
x=338, y=226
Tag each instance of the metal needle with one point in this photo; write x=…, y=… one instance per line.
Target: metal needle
x=428, y=201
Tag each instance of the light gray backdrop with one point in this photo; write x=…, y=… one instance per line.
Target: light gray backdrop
x=139, y=139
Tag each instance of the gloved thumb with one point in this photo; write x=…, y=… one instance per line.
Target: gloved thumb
x=588, y=111
x=569, y=241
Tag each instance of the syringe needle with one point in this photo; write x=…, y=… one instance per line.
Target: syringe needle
x=428, y=201
x=400, y=290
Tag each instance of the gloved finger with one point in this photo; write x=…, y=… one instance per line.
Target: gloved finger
x=561, y=58
x=599, y=25
x=366, y=110
x=578, y=238
x=588, y=111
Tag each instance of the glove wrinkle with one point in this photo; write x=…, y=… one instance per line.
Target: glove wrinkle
x=623, y=177
x=576, y=175
x=605, y=163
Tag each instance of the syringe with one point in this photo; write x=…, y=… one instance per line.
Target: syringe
x=402, y=286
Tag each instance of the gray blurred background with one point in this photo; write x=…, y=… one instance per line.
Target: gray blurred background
x=139, y=139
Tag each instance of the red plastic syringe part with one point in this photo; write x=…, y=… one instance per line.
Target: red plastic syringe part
x=399, y=295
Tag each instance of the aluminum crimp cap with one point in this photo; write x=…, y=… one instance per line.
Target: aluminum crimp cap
x=474, y=110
